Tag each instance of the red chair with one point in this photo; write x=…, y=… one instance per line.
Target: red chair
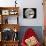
x=29, y=33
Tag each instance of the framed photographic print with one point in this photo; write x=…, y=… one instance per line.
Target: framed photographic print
x=5, y=12
x=29, y=12
x=13, y=12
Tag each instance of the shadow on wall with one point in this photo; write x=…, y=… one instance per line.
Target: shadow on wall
x=37, y=29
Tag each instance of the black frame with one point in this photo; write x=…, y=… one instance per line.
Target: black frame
x=34, y=9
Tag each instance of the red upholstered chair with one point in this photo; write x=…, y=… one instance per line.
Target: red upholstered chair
x=29, y=33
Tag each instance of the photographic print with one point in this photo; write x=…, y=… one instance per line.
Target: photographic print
x=29, y=12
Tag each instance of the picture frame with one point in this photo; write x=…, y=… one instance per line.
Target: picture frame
x=13, y=12
x=29, y=13
x=5, y=12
